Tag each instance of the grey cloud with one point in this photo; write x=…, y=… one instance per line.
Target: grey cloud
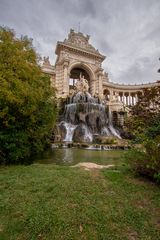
x=105, y=45
x=141, y=71
x=127, y=32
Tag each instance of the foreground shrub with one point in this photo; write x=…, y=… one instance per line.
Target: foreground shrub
x=146, y=161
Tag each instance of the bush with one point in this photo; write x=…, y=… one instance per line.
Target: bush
x=105, y=140
x=146, y=161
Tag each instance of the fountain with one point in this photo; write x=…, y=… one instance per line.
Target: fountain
x=85, y=116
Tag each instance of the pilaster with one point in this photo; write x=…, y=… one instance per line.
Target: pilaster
x=65, y=78
x=99, y=82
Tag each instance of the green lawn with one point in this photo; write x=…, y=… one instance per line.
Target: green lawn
x=58, y=202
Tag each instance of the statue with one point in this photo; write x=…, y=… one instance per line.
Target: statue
x=82, y=85
x=114, y=98
x=46, y=61
x=106, y=76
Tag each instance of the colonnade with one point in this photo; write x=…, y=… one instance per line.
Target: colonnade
x=128, y=98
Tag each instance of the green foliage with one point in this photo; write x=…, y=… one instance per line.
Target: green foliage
x=144, y=124
x=27, y=101
x=105, y=140
x=144, y=121
x=153, y=129
x=137, y=159
x=153, y=153
x=146, y=161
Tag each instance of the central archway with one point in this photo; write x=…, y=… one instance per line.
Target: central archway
x=79, y=69
x=75, y=75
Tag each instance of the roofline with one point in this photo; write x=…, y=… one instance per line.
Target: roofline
x=131, y=86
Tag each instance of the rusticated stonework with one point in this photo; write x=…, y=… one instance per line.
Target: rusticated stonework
x=77, y=57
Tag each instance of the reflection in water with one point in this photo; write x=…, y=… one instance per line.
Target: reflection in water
x=70, y=156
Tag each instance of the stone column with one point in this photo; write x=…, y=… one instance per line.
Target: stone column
x=123, y=98
x=119, y=97
x=65, y=79
x=126, y=100
x=129, y=97
x=100, y=89
x=136, y=98
x=111, y=94
x=92, y=86
x=132, y=99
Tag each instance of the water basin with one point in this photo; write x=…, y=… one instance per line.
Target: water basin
x=71, y=156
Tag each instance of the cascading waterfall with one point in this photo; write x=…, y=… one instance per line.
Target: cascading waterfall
x=85, y=116
x=88, y=136
x=69, y=131
x=111, y=127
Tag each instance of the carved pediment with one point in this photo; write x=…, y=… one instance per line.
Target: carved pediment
x=79, y=40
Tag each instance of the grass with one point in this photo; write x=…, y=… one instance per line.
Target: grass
x=58, y=202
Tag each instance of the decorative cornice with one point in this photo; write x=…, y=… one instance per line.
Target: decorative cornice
x=99, y=71
x=130, y=87
x=62, y=46
x=48, y=69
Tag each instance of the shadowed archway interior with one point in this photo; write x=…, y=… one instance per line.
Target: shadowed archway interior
x=75, y=74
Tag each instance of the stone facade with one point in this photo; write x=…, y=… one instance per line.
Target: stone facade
x=76, y=57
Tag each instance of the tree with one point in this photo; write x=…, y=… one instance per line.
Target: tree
x=27, y=100
x=144, y=124
x=145, y=115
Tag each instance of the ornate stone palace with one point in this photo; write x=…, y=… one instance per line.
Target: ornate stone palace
x=76, y=58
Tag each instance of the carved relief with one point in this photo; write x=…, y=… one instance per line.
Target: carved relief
x=64, y=55
x=80, y=40
x=80, y=57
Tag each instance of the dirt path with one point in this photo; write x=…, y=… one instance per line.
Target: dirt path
x=89, y=166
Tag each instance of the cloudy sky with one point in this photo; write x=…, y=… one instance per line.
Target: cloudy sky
x=126, y=31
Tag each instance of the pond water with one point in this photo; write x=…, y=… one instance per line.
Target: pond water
x=71, y=156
